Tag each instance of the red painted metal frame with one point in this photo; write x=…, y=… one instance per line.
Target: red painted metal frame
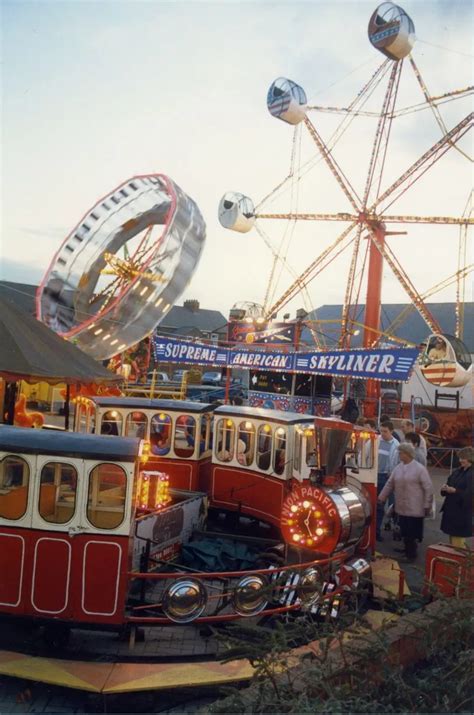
x=161, y=620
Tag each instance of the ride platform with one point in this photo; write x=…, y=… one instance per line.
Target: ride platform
x=165, y=659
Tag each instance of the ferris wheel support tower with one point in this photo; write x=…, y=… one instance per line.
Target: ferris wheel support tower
x=392, y=32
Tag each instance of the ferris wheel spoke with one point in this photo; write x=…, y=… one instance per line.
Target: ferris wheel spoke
x=434, y=101
x=355, y=107
x=337, y=172
x=382, y=133
x=277, y=258
x=419, y=167
x=460, y=221
x=350, y=287
x=405, y=282
x=359, y=101
x=107, y=293
x=460, y=274
x=309, y=217
x=314, y=268
x=145, y=247
x=433, y=106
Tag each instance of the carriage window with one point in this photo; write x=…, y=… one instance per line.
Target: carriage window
x=136, y=425
x=297, y=453
x=332, y=446
x=112, y=422
x=264, y=447
x=279, y=456
x=185, y=436
x=57, y=498
x=311, y=454
x=160, y=434
x=225, y=440
x=461, y=352
x=211, y=433
x=14, y=478
x=365, y=452
x=106, y=496
x=246, y=443
x=205, y=443
x=437, y=349
x=86, y=418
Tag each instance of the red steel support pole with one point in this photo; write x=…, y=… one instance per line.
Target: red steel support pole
x=372, y=312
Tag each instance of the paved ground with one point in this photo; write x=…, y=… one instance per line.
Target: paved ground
x=20, y=696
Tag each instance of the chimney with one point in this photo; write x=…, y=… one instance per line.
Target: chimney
x=191, y=305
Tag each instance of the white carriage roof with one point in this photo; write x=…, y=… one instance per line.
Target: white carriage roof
x=261, y=413
x=144, y=403
x=18, y=440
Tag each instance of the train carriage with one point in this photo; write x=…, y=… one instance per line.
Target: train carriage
x=246, y=459
x=179, y=433
x=65, y=505
x=85, y=525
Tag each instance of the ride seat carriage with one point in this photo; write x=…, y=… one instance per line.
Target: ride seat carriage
x=446, y=361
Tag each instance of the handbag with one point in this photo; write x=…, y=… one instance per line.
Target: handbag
x=432, y=515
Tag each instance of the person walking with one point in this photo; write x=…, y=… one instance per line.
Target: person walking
x=414, y=439
x=409, y=426
x=456, y=520
x=413, y=490
x=388, y=458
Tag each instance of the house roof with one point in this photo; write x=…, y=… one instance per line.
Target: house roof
x=181, y=319
x=31, y=351
x=21, y=294
x=413, y=329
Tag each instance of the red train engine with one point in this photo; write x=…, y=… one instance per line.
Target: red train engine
x=90, y=535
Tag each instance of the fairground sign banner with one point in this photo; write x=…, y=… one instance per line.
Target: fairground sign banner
x=379, y=364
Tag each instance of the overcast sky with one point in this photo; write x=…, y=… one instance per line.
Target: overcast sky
x=95, y=92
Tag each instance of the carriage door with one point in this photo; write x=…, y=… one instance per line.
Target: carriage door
x=100, y=544
x=56, y=513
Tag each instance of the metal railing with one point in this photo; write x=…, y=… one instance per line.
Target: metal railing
x=440, y=455
x=283, y=589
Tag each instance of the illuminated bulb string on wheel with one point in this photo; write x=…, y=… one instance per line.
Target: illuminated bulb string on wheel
x=106, y=302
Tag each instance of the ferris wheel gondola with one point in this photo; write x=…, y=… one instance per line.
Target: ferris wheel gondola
x=287, y=101
x=446, y=361
x=236, y=212
x=107, y=302
x=391, y=31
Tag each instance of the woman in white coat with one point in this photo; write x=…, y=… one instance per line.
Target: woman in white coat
x=413, y=490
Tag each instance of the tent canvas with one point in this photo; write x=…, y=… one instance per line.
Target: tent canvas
x=31, y=351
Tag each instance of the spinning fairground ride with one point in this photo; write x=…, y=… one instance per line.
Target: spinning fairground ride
x=367, y=211
x=123, y=266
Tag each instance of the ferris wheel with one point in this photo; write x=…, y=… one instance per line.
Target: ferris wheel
x=123, y=266
x=369, y=219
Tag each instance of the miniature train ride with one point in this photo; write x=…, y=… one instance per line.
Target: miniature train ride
x=94, y=524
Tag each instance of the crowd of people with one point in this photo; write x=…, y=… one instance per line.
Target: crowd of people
x=405, y=490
